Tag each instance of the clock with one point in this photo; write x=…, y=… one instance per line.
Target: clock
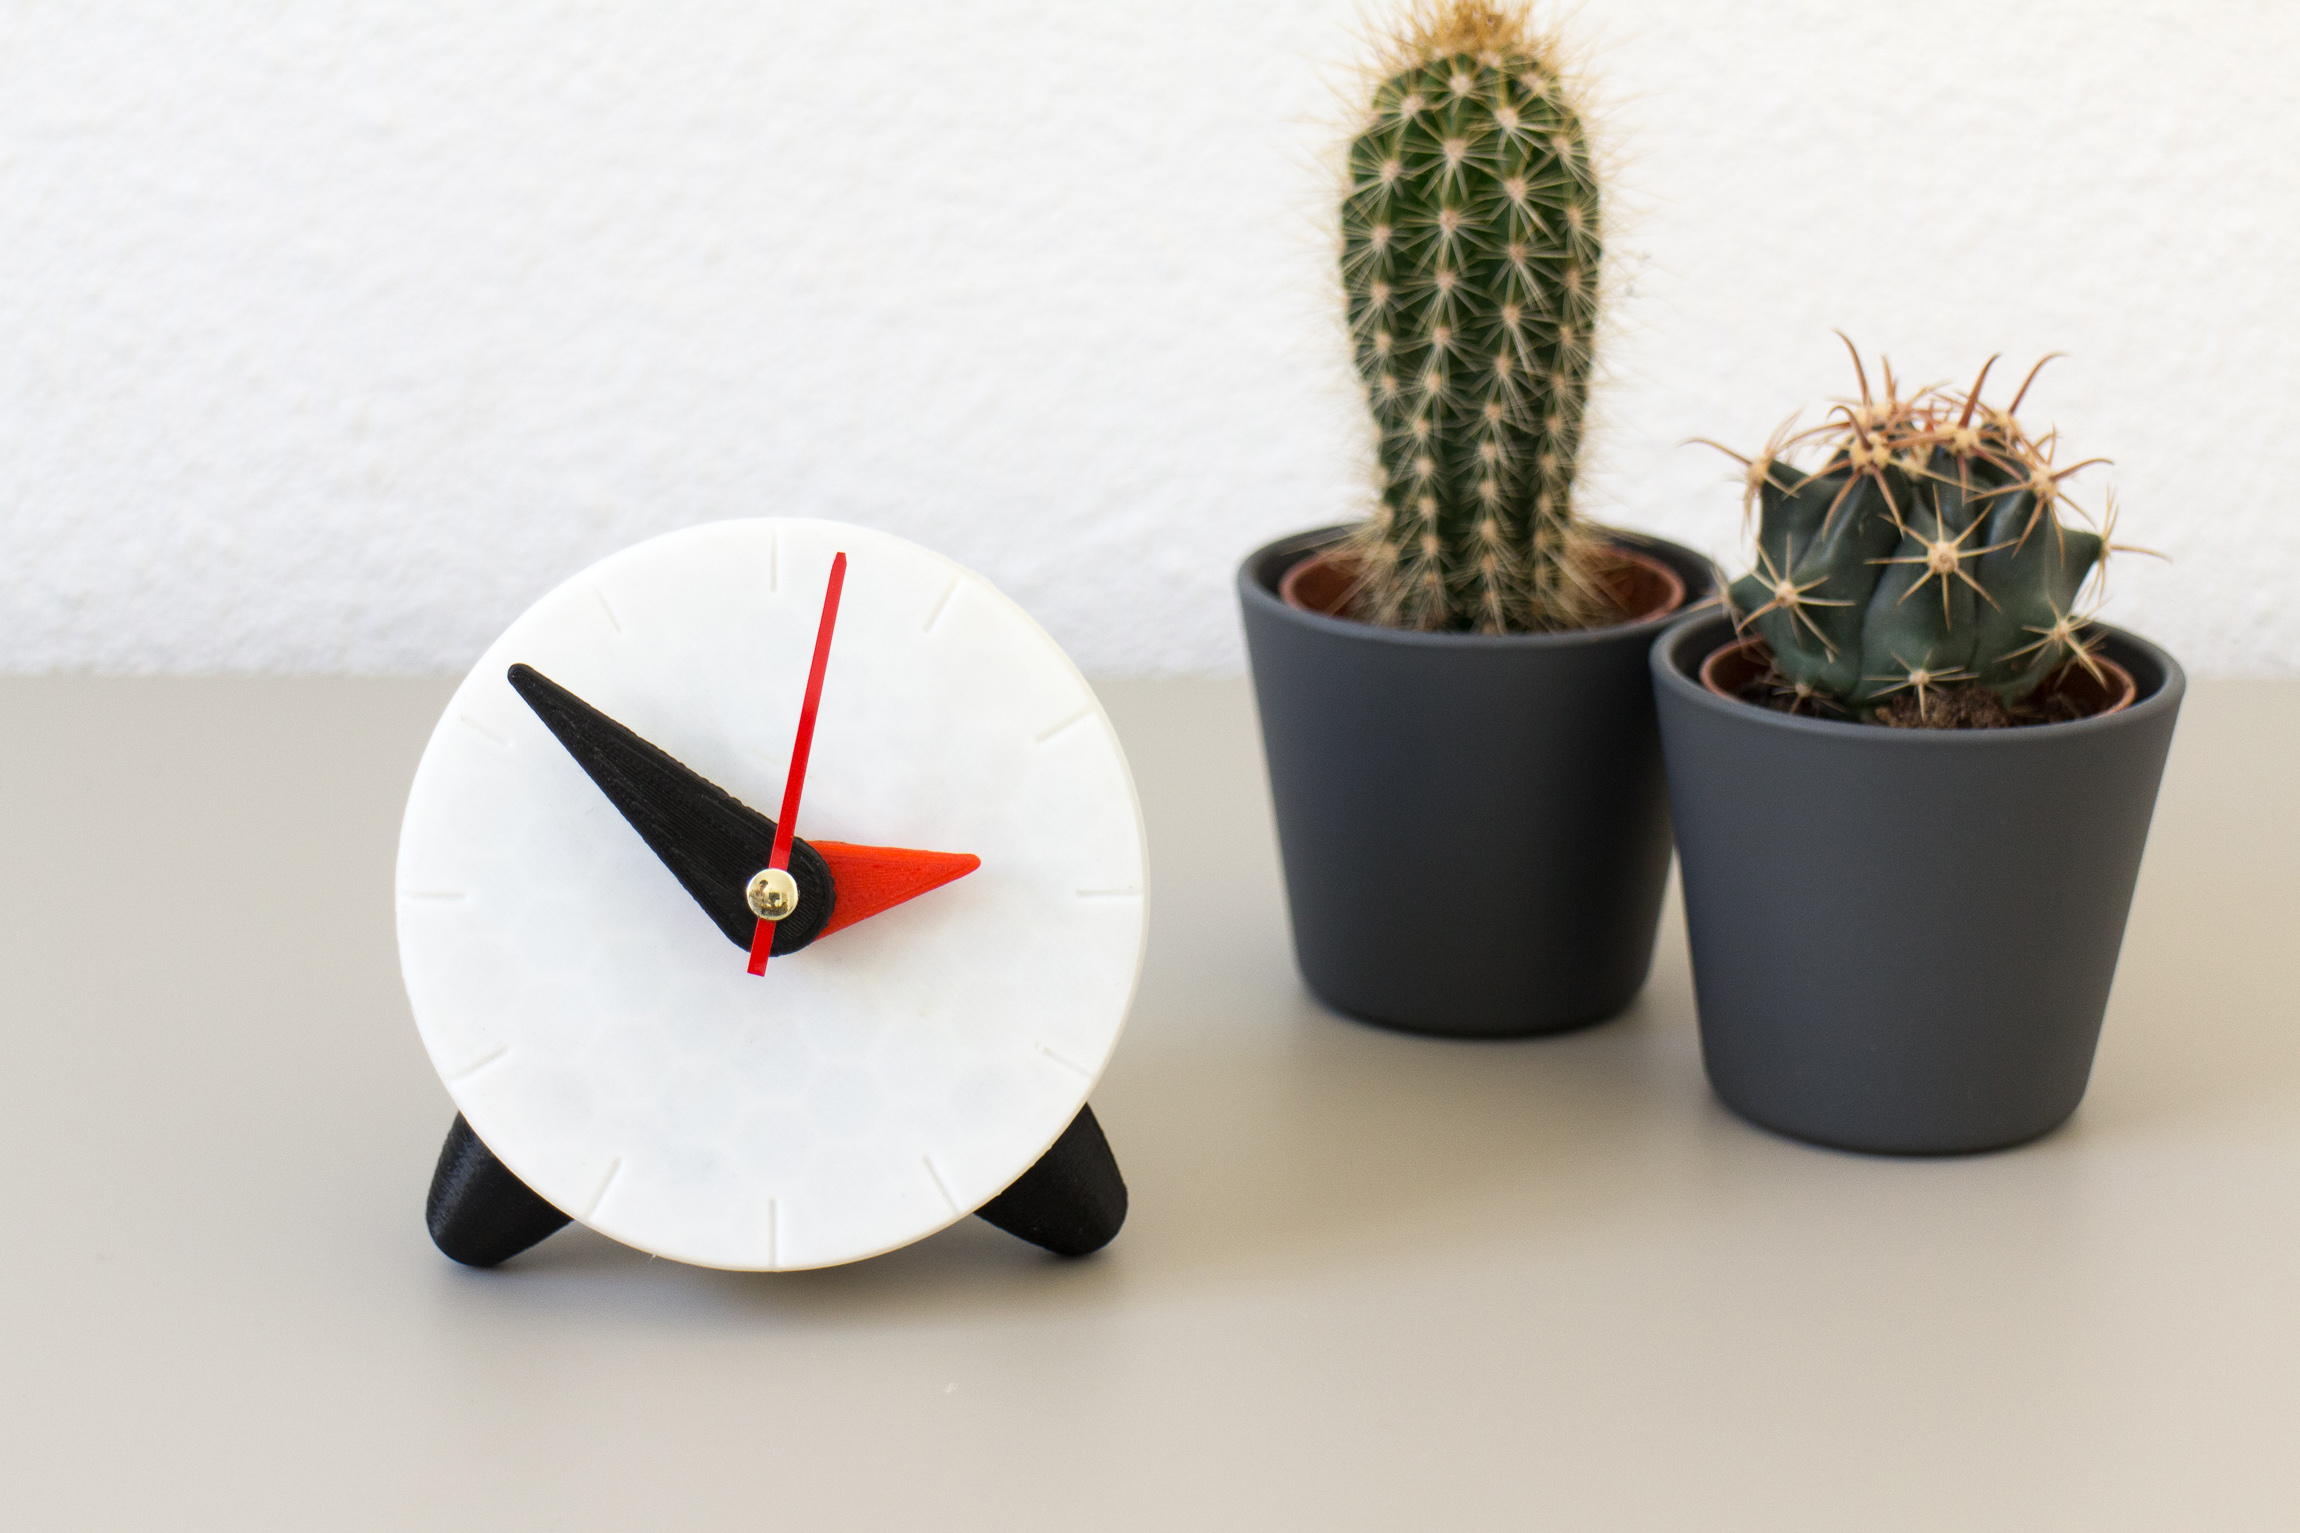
x=771, y=895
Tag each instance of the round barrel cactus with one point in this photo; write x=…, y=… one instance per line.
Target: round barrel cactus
x=1931, y=550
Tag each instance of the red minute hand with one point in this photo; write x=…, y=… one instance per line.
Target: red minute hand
x=763, y=939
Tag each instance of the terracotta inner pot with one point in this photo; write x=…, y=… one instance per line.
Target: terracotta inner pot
x=1641, y=586
x=1732, y=667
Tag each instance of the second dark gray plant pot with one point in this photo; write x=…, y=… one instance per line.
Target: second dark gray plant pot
x=1903, y=939
x=1474, y=828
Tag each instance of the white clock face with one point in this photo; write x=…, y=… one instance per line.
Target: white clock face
x=603, y=1037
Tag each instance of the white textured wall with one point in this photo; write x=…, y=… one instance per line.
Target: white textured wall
x=331, y=334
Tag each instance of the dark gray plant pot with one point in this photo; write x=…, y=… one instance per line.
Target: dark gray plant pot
x=1903, y=939
x=1474, y=827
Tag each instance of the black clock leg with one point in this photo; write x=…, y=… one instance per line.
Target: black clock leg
x=1072, y=1201
x=478, y=1212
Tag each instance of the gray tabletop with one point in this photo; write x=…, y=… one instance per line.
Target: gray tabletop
x=1368, y=1281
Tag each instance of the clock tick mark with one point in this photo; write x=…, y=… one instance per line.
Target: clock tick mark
x=774, y=562
x=608, y=608
x=940, y=1185
x=774, y=1234
x=941, y=603
x=482, y=730
x=614, y=1169
x=479, y=1064
x=435, y=894
x=1045, y=735
x=1109, y=894
x=1067, y=1064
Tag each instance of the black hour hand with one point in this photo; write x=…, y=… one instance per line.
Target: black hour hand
x=710, y=840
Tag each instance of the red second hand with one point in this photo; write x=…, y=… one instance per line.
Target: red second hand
x=763, y=939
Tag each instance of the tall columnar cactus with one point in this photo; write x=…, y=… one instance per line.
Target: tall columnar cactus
x=1927, y=552
x=1470, y=251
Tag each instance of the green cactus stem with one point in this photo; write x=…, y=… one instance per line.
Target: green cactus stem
x=1928, y=551
x=1470, y=252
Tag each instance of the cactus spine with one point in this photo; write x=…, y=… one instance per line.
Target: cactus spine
x=1470, y=251
x=1928, y=552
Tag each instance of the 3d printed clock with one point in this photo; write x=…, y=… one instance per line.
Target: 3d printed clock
x=587, y=910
